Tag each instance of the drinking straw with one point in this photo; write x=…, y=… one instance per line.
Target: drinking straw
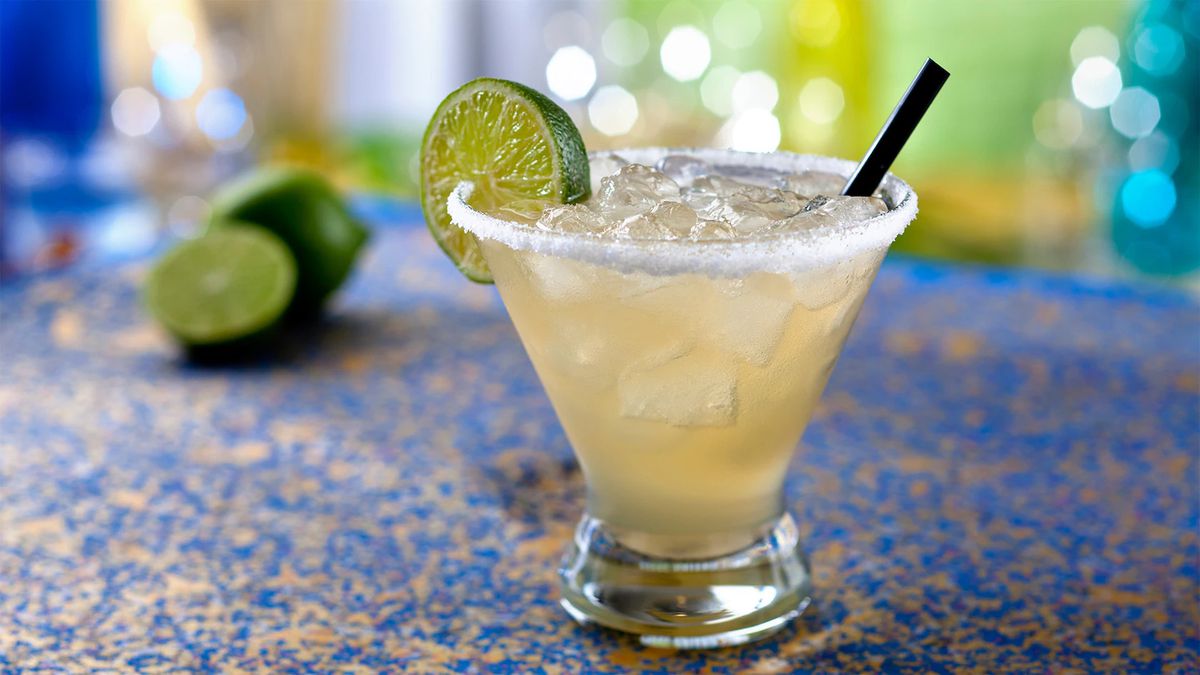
x=895, y=132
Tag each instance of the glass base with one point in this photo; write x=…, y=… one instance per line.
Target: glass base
x=684, y=602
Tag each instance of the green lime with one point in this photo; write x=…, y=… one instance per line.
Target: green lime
x=306, y=212
x=513, y=143
x=231, y=284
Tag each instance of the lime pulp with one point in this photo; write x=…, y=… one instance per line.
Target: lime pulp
x=229, y=285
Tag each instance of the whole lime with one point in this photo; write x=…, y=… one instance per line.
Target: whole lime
x=304, y=210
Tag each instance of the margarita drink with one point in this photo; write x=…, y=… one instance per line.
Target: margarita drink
x=684, y=322
x=683, y=395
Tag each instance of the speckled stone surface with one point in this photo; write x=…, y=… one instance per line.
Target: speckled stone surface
x=1003, y=476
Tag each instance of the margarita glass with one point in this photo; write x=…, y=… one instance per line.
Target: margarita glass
x=684, y=373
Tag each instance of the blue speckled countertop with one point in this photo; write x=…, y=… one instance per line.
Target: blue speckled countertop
x=1003, y=475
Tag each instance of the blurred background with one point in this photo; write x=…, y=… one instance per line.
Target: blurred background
x=1066, y=138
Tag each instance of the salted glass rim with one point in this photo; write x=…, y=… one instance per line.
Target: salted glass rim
x=787, y=251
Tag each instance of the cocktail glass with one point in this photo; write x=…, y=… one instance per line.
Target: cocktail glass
x=684, y=374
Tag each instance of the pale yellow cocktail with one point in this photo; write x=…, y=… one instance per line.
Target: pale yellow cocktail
x=684, y=332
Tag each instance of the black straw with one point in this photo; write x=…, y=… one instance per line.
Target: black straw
x=895, y=132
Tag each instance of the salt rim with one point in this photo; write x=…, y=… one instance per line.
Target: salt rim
x=788, y=252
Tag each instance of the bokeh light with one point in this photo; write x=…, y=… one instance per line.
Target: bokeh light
x=1158, y=50
x=754, y=130
x=1148, y=198
x=135, y=112
x=177, y=72
x=737, y=24
x=755, y=89
x=716, y=90
x=112, y=165
x=232, y=53
x=188, y=215
x=127, y=230
x=625, y=42
x=1096, y=82
x=220, y=114
x=816, y=22
x=809, y=134
x=571, y=73
x=239, y=140
x=31, y=161
x=170, y=28
x=1058, y=124
x=1135, y=113
x=1156, y=151
x=613, y=110
x=821, y=100
x=1094, y=41
x=685, y=53
x=677, y=13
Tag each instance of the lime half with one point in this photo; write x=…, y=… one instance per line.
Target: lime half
x=513, y=143
x=231, y=284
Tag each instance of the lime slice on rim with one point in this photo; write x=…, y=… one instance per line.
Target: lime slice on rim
x=513, y=143
x=231, y=284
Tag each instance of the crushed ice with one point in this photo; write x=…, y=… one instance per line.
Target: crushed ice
x=686, y=198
